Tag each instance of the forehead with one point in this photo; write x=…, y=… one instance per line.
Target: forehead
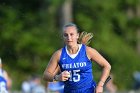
x=70, y=29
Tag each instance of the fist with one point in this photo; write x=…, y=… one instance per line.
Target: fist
x=65, y=75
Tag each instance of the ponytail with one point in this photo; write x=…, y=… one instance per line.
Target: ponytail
x=85, y=38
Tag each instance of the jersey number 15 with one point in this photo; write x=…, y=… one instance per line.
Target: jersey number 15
x=74, y=75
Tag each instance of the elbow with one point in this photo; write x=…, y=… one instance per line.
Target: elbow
x=44, y=77
x=47, y=77
x=109, y=67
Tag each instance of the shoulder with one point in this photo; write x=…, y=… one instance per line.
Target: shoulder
x=57, y=53
x=3, y=72
x=90, y=49
x=91, y=52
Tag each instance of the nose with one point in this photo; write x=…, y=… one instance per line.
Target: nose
x=69, y=37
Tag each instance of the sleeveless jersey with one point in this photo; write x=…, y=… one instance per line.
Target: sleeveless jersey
x=80, y=69
x=3, y=83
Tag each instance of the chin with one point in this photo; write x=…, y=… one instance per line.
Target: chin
x=69, y=43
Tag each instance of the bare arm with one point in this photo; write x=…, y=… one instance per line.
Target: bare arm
x=9, y=82
x=99, y=59
x=53, y=68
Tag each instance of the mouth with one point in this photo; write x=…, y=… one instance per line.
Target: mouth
x=69, y=41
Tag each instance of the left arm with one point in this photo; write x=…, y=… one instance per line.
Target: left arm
x=9, y=82
x=99, y=59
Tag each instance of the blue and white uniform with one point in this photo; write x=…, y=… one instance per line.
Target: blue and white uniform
x=80, y=68
x=3, y=82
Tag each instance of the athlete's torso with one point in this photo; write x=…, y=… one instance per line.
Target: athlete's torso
x=80, y=68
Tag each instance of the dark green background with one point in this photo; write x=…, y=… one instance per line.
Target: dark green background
x=30, y=32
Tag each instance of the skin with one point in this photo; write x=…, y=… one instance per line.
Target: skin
x=70, y=36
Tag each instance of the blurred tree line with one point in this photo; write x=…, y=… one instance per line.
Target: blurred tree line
x=30, y=31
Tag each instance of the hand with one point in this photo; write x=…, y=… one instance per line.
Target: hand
x=64, y=76
x=99, y=89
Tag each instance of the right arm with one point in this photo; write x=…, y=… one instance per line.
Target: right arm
x=53, y=68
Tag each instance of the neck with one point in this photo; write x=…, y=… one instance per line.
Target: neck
x=73, y=49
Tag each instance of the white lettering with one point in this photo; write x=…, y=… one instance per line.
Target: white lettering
x=74, y=65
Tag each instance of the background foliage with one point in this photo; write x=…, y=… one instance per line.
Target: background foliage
x=30, y=31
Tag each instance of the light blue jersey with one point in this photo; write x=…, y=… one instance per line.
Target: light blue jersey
x=80, y=68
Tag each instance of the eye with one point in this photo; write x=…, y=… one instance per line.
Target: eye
x=71, y=34
x=65, y=35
